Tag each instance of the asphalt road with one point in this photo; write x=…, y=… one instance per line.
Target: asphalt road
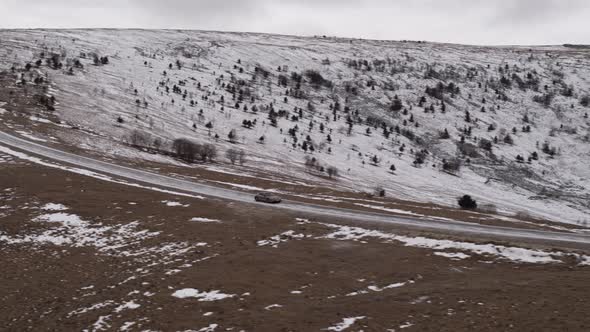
x=166, y=182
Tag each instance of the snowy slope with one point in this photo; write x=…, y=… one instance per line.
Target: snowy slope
x=204, y=64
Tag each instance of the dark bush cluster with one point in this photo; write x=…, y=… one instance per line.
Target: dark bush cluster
x=317, y=79
x=467, y=203
x=189, y=151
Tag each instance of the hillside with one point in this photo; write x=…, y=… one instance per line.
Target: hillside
x=506, y=125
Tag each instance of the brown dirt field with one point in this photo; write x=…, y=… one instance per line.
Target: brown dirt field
x=44, y=287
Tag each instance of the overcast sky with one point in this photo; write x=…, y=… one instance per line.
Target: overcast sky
x=459, y=21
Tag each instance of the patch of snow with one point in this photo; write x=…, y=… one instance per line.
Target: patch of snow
x=202, y=296
x=101, y=323
x=91, y=308
x=173, y=203
x=66, y=219
x=509, y=253
x=390, y=286
x=379, y=289
x=54, y=207
x=126, y=326
x=209, y=328
x=272, y=306
x=119, y=240
x=205, y=220
x=345, y=324
x=275, y=240
x=452, y=255
x=406, y=325
x=127, y=305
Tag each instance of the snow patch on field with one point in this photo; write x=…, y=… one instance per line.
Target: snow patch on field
x=71, y=230
x=126, y=326
x=54, y=207
x=345, y=324
x=515, y=254
x=210, y=328
x=374, y=288
x=275, y=240
x=119, y=240
x=127, y=306
x=205, y=220
x=214, y=295
x=173, y=204
x=452, y=255
x=406, y=325
x=390, y=286
x=101, y=324
x=66, y=219
x=272, y=306
x=91, y=308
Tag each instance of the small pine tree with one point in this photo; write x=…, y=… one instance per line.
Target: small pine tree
x=232, y=136
x=508, y=139
x=375, y=160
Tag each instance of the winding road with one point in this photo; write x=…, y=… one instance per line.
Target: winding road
x=574, y=240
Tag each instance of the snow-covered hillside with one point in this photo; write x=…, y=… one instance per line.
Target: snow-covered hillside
x=516, y=117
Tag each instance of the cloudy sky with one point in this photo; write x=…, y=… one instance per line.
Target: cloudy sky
x=459, y=21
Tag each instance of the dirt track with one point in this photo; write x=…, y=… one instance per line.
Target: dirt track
x=43, y=287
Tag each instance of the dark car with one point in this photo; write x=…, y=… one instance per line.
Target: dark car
x=267, y=198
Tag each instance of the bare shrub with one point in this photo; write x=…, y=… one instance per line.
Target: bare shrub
x=232, y=136
x=232, y=155
x=469, y=150
x=312, y=164
x=452, y=165
x=332, y=171
x=185, y=149
x=139, y=139
x=235, y=155
x=206, y=152
x=485, y=144
x=242, y=157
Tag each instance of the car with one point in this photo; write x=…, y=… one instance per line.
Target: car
x=267, y=198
